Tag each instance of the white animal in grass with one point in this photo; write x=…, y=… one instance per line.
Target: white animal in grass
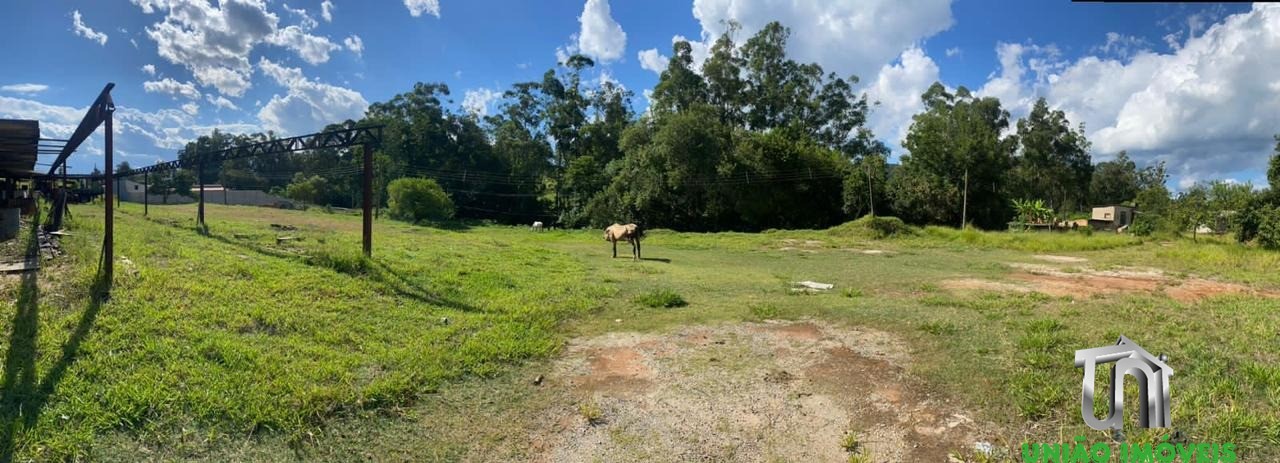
x=537, y=226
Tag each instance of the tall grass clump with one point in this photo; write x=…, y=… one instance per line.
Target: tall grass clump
x=874, y=227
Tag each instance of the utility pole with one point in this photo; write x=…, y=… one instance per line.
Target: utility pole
x=871, y=201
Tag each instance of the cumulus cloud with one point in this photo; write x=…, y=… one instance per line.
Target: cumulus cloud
x=600, y=37
x=77, y=24
x=191, y=108
x=150, y=69
x=214, y=42
x=896, y=92
x=477, y=101
x=221, y=102
x=844, y=36
x=355, y=44
x=313, y=49
x=172, y=87
x=326, y=10
x=26, y=89
x=1122, y=46
x=653, y=61
x=308, y=105
x=417, y=7
x=304, y=19
x=1208, y=108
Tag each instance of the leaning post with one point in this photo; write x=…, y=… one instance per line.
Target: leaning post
x=108, y=224
x=367, y=182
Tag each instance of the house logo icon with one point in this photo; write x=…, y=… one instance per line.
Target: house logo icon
x=1130, y=359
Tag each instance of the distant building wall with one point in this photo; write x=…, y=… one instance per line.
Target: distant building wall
x=133, y=192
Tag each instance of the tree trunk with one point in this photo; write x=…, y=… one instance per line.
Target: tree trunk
x=871, y=201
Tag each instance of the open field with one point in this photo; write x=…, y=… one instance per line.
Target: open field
x=488, y=343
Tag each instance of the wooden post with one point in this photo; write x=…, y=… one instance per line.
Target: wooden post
x=146, y=202
x=200, y=179
x=108, y=238
x=964, y=209
x=367, y=182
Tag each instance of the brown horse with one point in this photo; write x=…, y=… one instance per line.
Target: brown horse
x=630, y=233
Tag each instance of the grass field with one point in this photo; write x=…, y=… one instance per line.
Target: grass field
x=234, y=345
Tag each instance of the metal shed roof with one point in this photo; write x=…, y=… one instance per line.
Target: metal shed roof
x=18, y=141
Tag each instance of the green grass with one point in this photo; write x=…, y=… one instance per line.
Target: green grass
x=661, y=299
x=232, y=346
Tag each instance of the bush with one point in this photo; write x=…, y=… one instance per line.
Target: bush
x=417, y=199
x=1269, y=228
x=1144, y=224
x=873, y=227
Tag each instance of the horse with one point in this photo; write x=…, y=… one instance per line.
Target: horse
x=537, y=226
x=630, y=233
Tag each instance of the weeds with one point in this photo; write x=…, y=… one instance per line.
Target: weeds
x=661, y=298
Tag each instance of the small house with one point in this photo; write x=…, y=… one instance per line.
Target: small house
x=1113, y=218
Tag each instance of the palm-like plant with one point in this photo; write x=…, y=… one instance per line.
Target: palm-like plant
x=1032, y=211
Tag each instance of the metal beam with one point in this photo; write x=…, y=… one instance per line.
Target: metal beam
x=341, y=138
x=108, y=224
x=97, y=113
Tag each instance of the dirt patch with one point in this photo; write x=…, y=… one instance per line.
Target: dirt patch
x=1196, y=289
x=978, y=284
x=809, y=246
x=1085, y=282
x=746, y=392
x=1060, y=259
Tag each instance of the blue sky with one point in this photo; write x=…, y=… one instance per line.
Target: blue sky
x=1192, y=85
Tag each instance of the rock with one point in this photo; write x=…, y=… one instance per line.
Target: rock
x=537, y=381
x=815, y=285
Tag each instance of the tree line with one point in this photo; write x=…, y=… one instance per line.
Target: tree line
x=750, y=140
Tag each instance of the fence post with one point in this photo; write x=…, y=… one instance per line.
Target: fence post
x=200, y=179
x=108, y=184
x=367, y=182
x=146, y=202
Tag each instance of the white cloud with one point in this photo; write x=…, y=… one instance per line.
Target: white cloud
x=26, y=89
x=150, y=69
x=309, y=105
x=417, y=7
x=896, y=92
x=1122, y=46
x=85, y=31
x=304, y=19
x=221, y=102
x=326, y=10
x=172, y=87
x=313, y=49
x=953, y=51
x=653, y=61
x=844, y=36
x=355, y=44
x=191, y=108
x=214, y=43
x=1208, y=108
x=477, y=101
x=600, y=37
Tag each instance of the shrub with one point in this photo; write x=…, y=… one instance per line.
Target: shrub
x=661, y=298
x=1269, y=228
x=873, y=227
x=416, y=199
x=1144, y=224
